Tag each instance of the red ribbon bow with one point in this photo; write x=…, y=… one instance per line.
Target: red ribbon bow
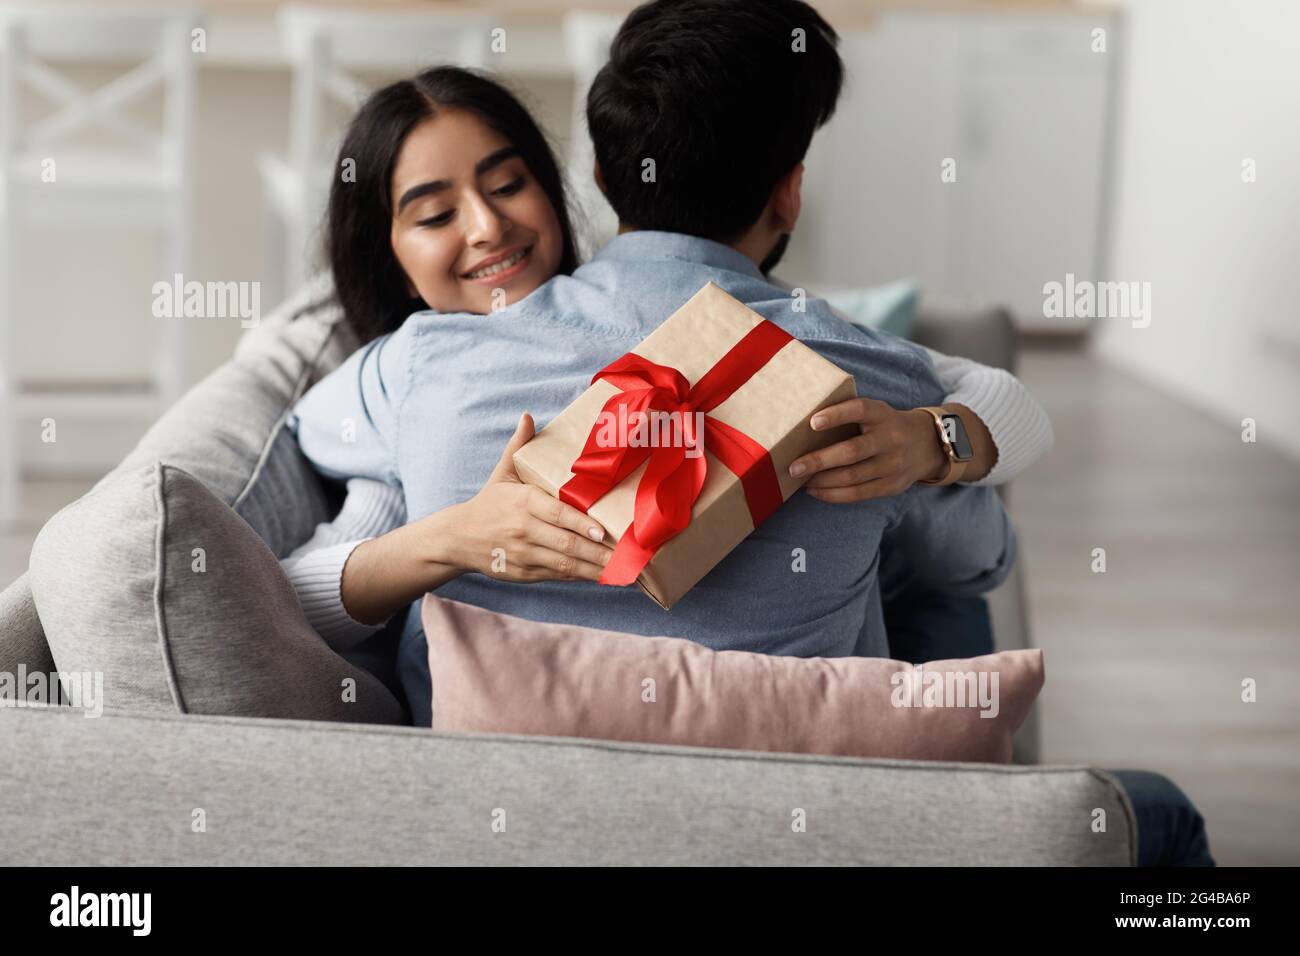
x=672, y=481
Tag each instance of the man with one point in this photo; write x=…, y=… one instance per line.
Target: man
x=721, y=100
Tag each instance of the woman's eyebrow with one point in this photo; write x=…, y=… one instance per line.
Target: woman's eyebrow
x=424, y=189
x=488, y=162
x=492, y=160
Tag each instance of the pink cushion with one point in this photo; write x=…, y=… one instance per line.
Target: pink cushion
x=496, y=673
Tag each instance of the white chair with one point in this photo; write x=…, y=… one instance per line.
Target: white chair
x=132, y=175
x=587, y=36
x=327, y=48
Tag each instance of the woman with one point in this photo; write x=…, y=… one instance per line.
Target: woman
x=458, y=206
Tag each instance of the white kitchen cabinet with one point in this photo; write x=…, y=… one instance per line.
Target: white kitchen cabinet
x=1020, y=103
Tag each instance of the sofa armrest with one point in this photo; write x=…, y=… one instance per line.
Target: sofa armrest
x=986, y=335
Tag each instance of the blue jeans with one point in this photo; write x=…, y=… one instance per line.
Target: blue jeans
x=924, y=625
x=927, y=625
x=1171, y=831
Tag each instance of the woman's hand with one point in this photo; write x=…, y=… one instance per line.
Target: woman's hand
x=894, y=450
x=518, y=532
x=508, y=530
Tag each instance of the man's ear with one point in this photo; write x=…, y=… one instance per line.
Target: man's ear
x=787, y=200
x=596, y=174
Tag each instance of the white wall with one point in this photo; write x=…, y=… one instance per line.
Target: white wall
x=1209, y=83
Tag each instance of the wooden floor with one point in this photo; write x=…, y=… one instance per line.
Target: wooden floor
x=1145, y=662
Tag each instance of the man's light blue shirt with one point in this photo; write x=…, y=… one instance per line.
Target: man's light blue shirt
x=431, y=406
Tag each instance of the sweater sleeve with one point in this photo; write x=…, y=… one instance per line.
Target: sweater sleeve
x=315, y=568
x=1018, y=425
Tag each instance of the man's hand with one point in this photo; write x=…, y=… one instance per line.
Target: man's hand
x=894, y=450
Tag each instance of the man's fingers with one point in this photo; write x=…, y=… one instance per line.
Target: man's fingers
x=556, y=512
x=857, y=448
x=862, y=411
x=505, y=467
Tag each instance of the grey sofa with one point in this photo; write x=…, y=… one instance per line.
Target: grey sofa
x=284, y=791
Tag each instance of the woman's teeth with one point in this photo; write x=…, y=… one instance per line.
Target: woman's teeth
x=501, y=266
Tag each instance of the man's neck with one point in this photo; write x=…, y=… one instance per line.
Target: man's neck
x=750, y=245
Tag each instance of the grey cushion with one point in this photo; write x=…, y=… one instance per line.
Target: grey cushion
x=157, y=584
x=285, y=498
x=22, y=639
x=276, y=792
x=228, y=434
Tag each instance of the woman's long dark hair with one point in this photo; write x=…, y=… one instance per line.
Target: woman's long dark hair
x=368, y=279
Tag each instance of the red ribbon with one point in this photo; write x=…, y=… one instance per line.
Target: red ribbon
x=671, y=484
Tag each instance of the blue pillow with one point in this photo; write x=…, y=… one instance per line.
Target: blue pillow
x=888, y=308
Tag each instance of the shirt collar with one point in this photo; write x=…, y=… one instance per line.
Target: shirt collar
x=645, y=244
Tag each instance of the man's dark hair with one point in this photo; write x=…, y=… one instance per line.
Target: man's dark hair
x=723, y=95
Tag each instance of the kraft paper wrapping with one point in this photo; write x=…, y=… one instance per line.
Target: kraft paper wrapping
x=773, y=408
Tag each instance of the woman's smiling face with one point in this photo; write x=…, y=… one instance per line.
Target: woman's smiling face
x=469, y=218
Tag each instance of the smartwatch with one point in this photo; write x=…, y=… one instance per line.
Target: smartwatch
x=956, y=445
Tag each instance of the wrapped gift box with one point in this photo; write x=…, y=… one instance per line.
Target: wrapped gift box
x=716, y=363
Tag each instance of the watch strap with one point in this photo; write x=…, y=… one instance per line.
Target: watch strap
x=956, y=467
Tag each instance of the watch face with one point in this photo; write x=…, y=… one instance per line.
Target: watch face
x=955, y=432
